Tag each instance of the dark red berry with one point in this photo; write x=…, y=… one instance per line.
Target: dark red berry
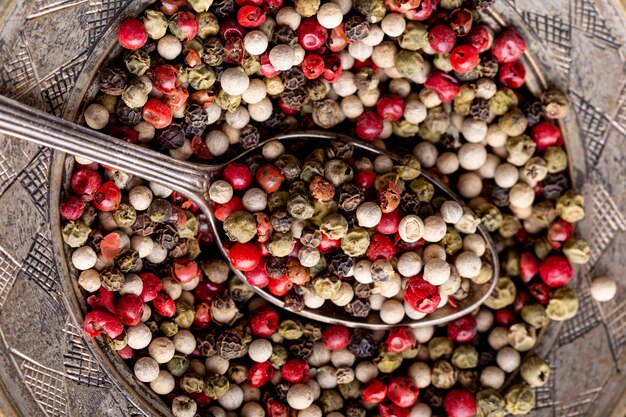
x=464, y=58
x=540, y=292
x=459, y=403
x=238, y=175
x=508, y=46
x=129, y=309
x=556, y=271
x=295, y=371
x=546, y=134
x=421, y=295
x=505, y=317
x=390, y=107
x=313, y=66
x=528, y=266
x=108, y=197
x=402, y=391
x=441, y=38
x=512, y=74
x=336, y=337
x=445, y=85
x=374, y=392
x=369, y=126
x=264, y=322
x=311, y=35
x=72, y=207
x=85, y=183
x=260, y=374
x=250, y=16
x=463, y=329
x=400, y=339
x=244, y=256
x=132, y=34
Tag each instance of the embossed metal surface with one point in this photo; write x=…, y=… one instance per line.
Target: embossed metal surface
x=47, y=368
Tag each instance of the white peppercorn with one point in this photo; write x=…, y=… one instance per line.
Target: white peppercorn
x=233, y=398
x=411, y=313
x=506, y=175
x=146, y=369
x=436, y=271
x=90, y=280
x=312, y=411
x=603, y=289
x=345, y=84
x=312, y=300
x=132, y=285
x=384, y=54
x=320, y=355
x=326, y=377
x=220, y=192
x=252, y=409
x=344, y=295
x=492, y=377
x=368, y=214
x=169, y=47
x=217, y=364
x=362, y=271
x=474, y=131
x=420, y=410
x=389, y=288
x=84, y=258
x=434, y=229
x=472, y=156
x=217, y=142
x=434, y=252
x=352, y=106
x=508, y=359
x=272, y=150
x=142, y=244
x=484, y=320
x=498, y=338
x=255, y=42
x=163, y=384
x=451, y=212
x=392, y=312
x=282, y=57
x=374, y=37
x=488, y=169
x=521, y=196
x=260, y=350
x=369, y=97
x=468, y=264
x=365, y=372
x=299, y=396
x=409, y=264
x=393, y=24
x=261, y=111
x=309, y=257
x=183, y=406
x=401, y=87
x=256, y=91
x=426, y=152
x=139, y=336
x=376, y=301
x=411, y=228
x=184, y=342
x=161, y=349
x=96, y=116
x=447, y=163
x=475, y=243
x=184, y=152
x=288, y=16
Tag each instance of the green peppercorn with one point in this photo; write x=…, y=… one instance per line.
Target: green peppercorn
x=510, y=226
x=555, y=103
x=291, y=329
x=355, y=242
x=536, y=169
x=535, y=315
x=442, y=62
x=281, y=244
x=522, y=337
x=452, y=241
x=444, y=375
x=556, y=159
x=535, y=371
x=387, y=362
x=216, y=386
x=136, y=93
x=277, y=199
x=570, y=206
x=490, y=216
x=178, y=365
x=440, y=347
x=335, y=226
x=326, y=287
x=576, y=250
x=503, y=294
x=404, y=129
x=489, y=403
x=520, y=149
x=465, y=357
x=563, y=304
x=373, y=10
x=240, y=226
x=227, y=102
x=125, y=215
x=435, y=125
x=168, y=328
x=237, y=373
x=251, y=65
x=414, y=37
x=511, y=264
x=504, y=100
x=330, y=401
x=192, y=383
x=351, y=390
x=185, y=314
x=317, y=90
x=137, y=62
x=75, y=233
x=423, y=189
x=520, y=399
x=202, y=77
x=279, y=356
x=409, y=64
x=155, y=23
x=542, y=248
x=327, y=113
x=112, y=279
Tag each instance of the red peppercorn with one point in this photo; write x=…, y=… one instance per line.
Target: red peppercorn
x=365, y=179
x=108, y=197
x=164, y=304
x=392, y=410
x=461, y=22
x=390, y=107
x=267, y=69
x=389, y=222
x=464, y=58
x=288, y=109
x=125, y=133
x=295, y=371
x=264, y=322
x=556, y=271
x=374, y=392
x=157, y=113
x=328, y=245
x=176, y=99
x=275, y=408
x=238, y=175
x=402, y=391
x=528, y=266
x=505, y=317
x=129, y=309
x=132, y=34
x=463, y=329
x=269, y=178
x=312, y=66
x=169, y=7
x=187, y=23
x=263, y=227
x=222, y=211
x=421, y=295
x=332, y=68
x=244, y=256
x=441, y=38
x=258, y=277
x=559, y=232
x=369, y=126
x=311, y=35
x=400, y=339
x=85, y=183
x=338, y=40
x=230, y=28
x=151, y=286
x=184, y=270
x=260, y=374
x=481, y=38
x=252, y=2
x=201, y=399
x=202, y=318
x=280, y=286
x=401, y=6
x=445, y=85
x=381, y=247
x=100, y=321
x=521, y=299
x=540, y=292
x=336, y=337
x=423, y=11
x=251, y=16
x=206, y=290
x=165, y=78
x=102, y=301
x=512, y=74
x=72, y=207
x=508, y=46
x=546, y=134
x=126, y=352
x=459, y=403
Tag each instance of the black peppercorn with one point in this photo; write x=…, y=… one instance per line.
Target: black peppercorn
x=161, y=269
x=479, y=109
x=284, y=34
x=339, y=149
x=486, y=357
x=254, y=162
x=167, y=236
x=159, y=211
x=357, y=28
x=534, y=111
x=127, y=261
x=362, y=290
x=249, y=137
x=363, y=344
x=281, y=389
x=499, y=196
x=367, y=79
x=349, y=197
x=281, y=221
x=293, y=99
x=94, y=239
x=213, y=54
x=294, y=302
x=355, y=410
x=196, y=116
x=301, y=348
x=223, y=9
x=483, y=4
x=293, y=78
x=128, y=116
x=426, y=210
x=172, y=137
x=358, y=308
x=316, y=89
x=450, y=142
x=276, y=119
x=488, y=67
x=113, y=81
x=554, y=185
x=340, y=265
x=276, y=267
x=192, y=131
x=410, y=203
x=433, y=397
x=229, y=344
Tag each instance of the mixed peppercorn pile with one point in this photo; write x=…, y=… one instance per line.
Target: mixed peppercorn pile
x=202, y=80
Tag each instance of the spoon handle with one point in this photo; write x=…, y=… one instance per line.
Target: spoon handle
x=24, y=122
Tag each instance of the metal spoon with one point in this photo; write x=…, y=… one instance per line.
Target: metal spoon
x=193, y=180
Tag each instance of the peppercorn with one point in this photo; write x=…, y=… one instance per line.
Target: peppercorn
x=503, y=294
x=489, y=403
x=520, y=399
x=444, y=375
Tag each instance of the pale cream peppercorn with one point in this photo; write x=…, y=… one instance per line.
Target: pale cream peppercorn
x=220, y=192
x=451, y=212
x=434, y=252
x=142, y=244
x=409, y=264
x=261, y=111
x=309, y=257
x=312, y=300
x=233, y=398
x=488, y=170
x=411, y=313
x=384, y=54
x=272, y=150
x=314, y=411
x=84, y=258
x=254, y=199
x=344, y=295
x=472, y=156
x=161, y=349
x=420, y=410
x=420, y=372
x=521, y=196
x=217, y=364
x=475, y=243
x=368, y=214
x=508, y=359
x=288, y=16
x=468, y=264
x=342, y=357
x=401, y=87
x=139, y=337
x=429, y=98
x=345, y=84
x=485, y=88
x=434, y=229
x=369, y=97
x=282, y=57
x=345, y=5
x=603, y=289
x=133, y=285
x=496, y=138
x=436, y=271
x=392, y=312
x=169, y=47
x=469, y=185
x=329, y=15
x=235, y=81
x=492, y=377
x=163, y=384
x=447, y=163
x=352, y=106
x=506, y=175
x=146, y=369
x=256, y=91
x=389, y=288
x=90, y=280
x=411, y=228
x=96, y=116
x=474, y=131
x=393, y=24
x=184, y=342
x=159, y=191
x=140, y=197
x=415, y=112
x=498, y=338
x=326, y=377
x=320, y=355
x=362, y=271
x=260, y=350
x=484, y=320
x=184, y=152
x=158, y=254
x=255, y=42
x=252, y=409
x=217, y=142
x=365, y=371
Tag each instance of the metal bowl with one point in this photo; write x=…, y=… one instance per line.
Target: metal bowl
x=51, y=50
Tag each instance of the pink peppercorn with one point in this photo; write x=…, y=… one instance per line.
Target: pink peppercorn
x=165, y=78
x=459, y=403
x=258, y=277
x=264, y=322
x=244, y=256
x=72, y=207
x=389, y=222
x=207, y=290
x=222, y=211
x=528, y=265
x=251, y=16
x=556, y=271
x=546, y=134
x=102, y=301
x=369, y=126
x=365, y=179
x=336, y=337
x=441, y=38
x=540, y=291
x=100, y=321
x=445, y=85
x=400, y=339
x=295, y=371
x=126, y=352
x=512, y=74
x=280, y=286
x=329, y=245
x=108, y=197
x=505, y=317
x=184, y=270
x=559, y=232
x=508, y=46
x=421, y=295
x=463, y=329
x=151, y=286
x=238, y=175
x=311, y=35
x=390, y=107
x=129, y=309
x=392, y=410
x=402, y=391
x=260, y=374
x=521, y=299
x=132, y=34
x=481, y=38
x=186, y=23
x=374, y=392
x=464, y=58
x=332, y=68
x=164, y=304
x=313, y=66
x=381, y=247
x=85, y=183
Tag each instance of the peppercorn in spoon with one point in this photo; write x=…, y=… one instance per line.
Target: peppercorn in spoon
x=365, y=249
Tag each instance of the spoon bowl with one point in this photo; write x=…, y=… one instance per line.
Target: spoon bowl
x=193, y=180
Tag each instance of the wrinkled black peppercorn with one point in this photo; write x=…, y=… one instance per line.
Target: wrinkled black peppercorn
x=293, y=78
x=363, y=344
x=426, y=210
x=213, y=54
x=409, y=203
x=128, y=116
x=113, y=81
x=488, y=67
x=284, y=34
x=349, y=197
x=358, y=308
x=276, y=267
x=206, y=343
x=172, y=137
x=249, y=137
x=276, y=119
x=479, y=109
x=450, y=142
x=196, y=116
x=357, y=28
x=223, y=8
x=160, y=211
x=340, y=265
x=281, y=221
x=362, y=290
x=294, y=302
x=281, y=389
x=293, y=99
x=433, y=397
x=554, y=185
x=167, y=236
x=143, y=225
x=534, y=112
x=499, y=196
x=301, y=348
